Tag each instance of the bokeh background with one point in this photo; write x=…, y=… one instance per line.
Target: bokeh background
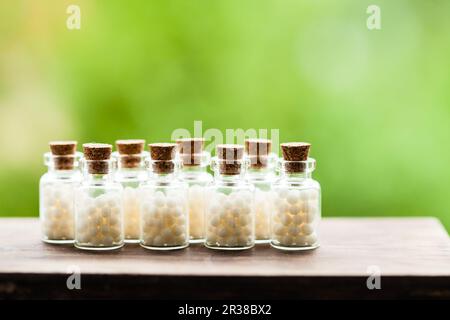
x=374, y=104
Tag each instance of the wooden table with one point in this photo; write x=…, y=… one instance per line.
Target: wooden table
x=412, y=255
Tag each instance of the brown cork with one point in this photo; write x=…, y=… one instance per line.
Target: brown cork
x=258, y=151
x=63, y=154
x=63, y=148
x=130, y=152
x=230, y=158
x=163, y=155
x=97, y=154
x=190, y=150
x=131, y=146
x=97, y=151
x=295, y=151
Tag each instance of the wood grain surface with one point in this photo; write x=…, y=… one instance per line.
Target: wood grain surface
x=412, y=254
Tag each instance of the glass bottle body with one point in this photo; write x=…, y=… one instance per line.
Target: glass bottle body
x=99, y=213
x=229, y=214
x=297, y=212
x=164, y=213
x=56, y=205
x=197, y=180
x=262, y=180
x=130, y=179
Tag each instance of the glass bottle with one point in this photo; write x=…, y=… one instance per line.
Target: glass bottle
x=98, y=202
x=130, y=156
x=164, y=203
x=56, y=190
x=297, y=200
x=262, y=176
x=230, y=206
x=194, y=172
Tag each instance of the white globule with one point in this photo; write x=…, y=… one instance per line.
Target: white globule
x=263, y=211
x=131, y=213
x=196, y=211
x=57, y=213
x=295, y=217
x=99, y=220
x=230, y=220
x=164, y=219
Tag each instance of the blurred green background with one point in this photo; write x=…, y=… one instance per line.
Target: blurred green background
x=374, y=104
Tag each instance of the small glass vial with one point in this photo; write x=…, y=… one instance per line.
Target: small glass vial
x=296, y=218
x=98, y=202
x=56, y=190
x=164, y=203
x=261, y=175
x=194, y=172
x=230, y=223
x=130, y=174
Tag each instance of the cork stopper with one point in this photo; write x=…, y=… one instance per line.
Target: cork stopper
x=130, y=146
x=295, y=151
x=230, y=158
x=162, y=155
x=190, y=151
x=258, y=151
x=130, y=152
x=63, y=154
x=97, y=154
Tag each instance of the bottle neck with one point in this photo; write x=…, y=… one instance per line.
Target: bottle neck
x=296, y=170
x=97, y=179
x=130, y=173
x=229, y=170
x=296, y=175
x=229, y=178
x=62, y=173
x=260, y=173
x=193, y=173
x=62, y=164
x=193, y=169
x=163, y=177
x=130, y=162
